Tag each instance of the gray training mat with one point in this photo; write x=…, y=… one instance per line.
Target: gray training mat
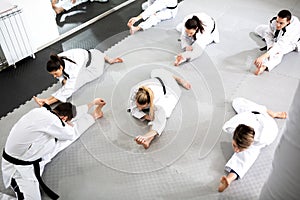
x=187, y=160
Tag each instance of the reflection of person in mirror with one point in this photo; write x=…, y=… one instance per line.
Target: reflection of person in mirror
x=253, y=128
x=60, y=6
x=153, y=100
x=197, y=31
x=38, y=137
x=282, y=36
x=74, y=68
x=155, y=11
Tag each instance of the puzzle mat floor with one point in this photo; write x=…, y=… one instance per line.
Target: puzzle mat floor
x=187, y=161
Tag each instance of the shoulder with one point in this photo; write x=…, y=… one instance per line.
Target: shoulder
x=295, y=21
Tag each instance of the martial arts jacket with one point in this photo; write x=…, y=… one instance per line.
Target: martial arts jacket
x=286, y=39
x=202, y=39
x=32, y=137
x=80, y=57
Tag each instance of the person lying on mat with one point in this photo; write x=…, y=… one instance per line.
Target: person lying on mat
x=155, y=11
x=153, y=100
x=74, y=68
x=253, y=128
x=282, y=36
x=36, y=138
x=197, y=31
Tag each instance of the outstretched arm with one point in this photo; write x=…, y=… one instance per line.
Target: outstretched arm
x=48, y=101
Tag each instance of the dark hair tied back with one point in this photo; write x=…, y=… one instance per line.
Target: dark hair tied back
x=194, y=23
x=54, y=63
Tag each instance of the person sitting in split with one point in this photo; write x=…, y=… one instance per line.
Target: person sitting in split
x=197, y=31
x=74, y=68
x=155, y=11
x=154, y=100
x=282, y=36
x=60, y=6
x=36, y=138
x=253, y=128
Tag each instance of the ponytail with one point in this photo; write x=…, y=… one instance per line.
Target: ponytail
x=145, y=96
x=56, y=61
x=195, y=23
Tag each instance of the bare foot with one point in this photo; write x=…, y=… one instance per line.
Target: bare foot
x=260, y=70
x=134, y=29
x=280, y=115
x=145, y=141
x=98, y=110
x=99, y=102
x=184, y=83
x=179, y=60
x=223, y=184
x=116, y=60
x=58, y=10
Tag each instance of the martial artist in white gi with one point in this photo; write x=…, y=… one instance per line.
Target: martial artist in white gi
x=155, y=11
x=282, y=36
x=74, y=68
x=154, y=100
x=60, y=6
x=253, y=128
x=36, y=138
x=197, y=31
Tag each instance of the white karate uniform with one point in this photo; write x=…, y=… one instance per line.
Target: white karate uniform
x=33, y=137
x=79, y=73
x=156, y=11
x=163, y=104
x=265, y=129
x=67, y=4
x=285, y=42
x=209, y=35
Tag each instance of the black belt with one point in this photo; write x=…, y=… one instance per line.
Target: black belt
x=214, y=26
x=36, y=166
x=172, y=7
x=89, y=58
x=162, y=84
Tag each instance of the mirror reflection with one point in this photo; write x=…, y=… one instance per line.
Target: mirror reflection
x=71, y=13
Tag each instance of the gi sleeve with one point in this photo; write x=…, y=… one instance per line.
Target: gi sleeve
x=231, y=124
x=269, y=36
x=63, y=93
x=185, y=39
x=57, y=130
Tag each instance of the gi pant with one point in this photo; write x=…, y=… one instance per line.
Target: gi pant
x=67, y=4
x=165, y=107
x=273, y=60
x=159, y=16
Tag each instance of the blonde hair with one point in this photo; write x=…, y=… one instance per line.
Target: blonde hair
x=143, y=95
x=243, y=136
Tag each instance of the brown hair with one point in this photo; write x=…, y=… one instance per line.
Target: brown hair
x=243, y=136
x=66, y=109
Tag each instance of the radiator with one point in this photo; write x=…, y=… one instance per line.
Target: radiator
x=15, y=43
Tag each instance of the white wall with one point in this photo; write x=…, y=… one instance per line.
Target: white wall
x=39, y=19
